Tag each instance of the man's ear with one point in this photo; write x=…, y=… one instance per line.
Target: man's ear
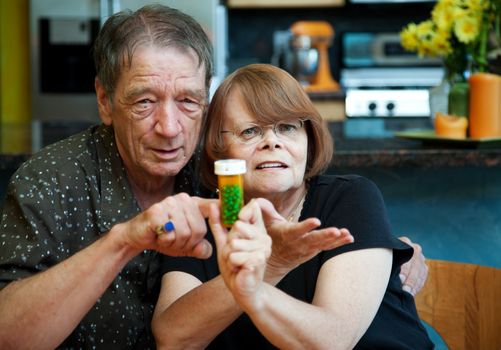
x=103, y=103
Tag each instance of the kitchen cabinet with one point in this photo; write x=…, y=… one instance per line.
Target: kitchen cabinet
x=330, y=104
x=283, y=3
x=330, y=110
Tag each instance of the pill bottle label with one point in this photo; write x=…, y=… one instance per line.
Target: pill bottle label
x=232, y=197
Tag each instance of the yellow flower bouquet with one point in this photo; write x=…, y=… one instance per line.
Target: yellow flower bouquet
x=458, y=31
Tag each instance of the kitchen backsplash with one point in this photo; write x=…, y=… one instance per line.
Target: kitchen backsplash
x=250, y=31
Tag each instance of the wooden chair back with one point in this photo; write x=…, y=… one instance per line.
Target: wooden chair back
x=462, y=302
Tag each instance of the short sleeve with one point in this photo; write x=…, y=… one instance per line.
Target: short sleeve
x=354, y=202
x=191, y=266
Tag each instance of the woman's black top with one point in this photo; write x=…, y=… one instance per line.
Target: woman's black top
x=348, y=201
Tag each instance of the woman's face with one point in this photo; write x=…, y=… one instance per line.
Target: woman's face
x=275, y=163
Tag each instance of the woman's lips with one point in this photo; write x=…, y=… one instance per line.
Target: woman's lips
x=271, y=165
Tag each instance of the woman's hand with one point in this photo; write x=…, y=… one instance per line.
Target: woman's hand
x=295, y=243
x=242, y=252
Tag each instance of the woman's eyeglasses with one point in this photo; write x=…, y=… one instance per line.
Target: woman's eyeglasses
x=253, y=133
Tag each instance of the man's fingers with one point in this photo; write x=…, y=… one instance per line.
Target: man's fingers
x=203, y=250
x=416, y=280
x=188, y=221
x=405, y=240
x=412, y=285
x=413, y=274
x=204, y=204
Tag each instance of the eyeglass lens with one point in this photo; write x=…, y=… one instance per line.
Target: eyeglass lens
x=253, y=133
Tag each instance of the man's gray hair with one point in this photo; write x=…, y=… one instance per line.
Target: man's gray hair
x=159, y=25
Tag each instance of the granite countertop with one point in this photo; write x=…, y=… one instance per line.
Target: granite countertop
x=377, y=147
x=353, y=147
x=422, y=158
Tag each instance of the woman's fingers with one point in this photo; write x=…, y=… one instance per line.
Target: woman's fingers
x=218, y=230
x=248, y=260
x=327, y=238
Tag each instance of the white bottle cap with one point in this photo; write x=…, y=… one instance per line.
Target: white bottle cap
x=229, y=167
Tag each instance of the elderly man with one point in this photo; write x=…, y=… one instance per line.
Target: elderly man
x=85, y=270
x=79, y=242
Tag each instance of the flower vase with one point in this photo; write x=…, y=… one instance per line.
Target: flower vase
x=451, y=95
x=439, y=98
x=458, y=99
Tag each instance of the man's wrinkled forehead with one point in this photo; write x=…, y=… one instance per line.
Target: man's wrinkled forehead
x=128, y=53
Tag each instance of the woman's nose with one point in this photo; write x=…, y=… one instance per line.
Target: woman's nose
x=270, y=138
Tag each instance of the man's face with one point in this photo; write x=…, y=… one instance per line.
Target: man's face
x=157, y=111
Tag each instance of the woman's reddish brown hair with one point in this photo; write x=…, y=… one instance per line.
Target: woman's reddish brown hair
x=270, y=94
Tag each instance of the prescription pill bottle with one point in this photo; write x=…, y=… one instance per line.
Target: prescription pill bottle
x=231, y=188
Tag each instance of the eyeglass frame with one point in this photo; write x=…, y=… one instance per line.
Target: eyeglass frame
x=260, y=136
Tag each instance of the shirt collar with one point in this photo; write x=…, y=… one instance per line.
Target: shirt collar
x=118, y=203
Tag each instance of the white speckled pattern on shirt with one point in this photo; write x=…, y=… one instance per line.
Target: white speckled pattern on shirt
x=61, y=200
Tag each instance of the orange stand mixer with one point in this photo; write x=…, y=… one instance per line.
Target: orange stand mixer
x=320, y=35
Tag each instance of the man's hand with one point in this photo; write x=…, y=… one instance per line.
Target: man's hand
x=295, y=243
x=187, y=215
x=413, y=273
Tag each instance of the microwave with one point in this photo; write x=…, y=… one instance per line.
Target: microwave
x=380, y=50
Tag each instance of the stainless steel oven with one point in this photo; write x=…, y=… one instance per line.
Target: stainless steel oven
x=381, y=79
x=62, y=33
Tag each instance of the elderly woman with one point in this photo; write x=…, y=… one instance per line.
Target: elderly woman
x=346, y=297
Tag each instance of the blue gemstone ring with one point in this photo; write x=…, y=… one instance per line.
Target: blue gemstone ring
x=167, y=227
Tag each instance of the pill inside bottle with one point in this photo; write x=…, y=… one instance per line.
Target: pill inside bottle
x=231, y=188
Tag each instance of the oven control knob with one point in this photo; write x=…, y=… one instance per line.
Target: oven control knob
x=390, y=106
x=372, y=106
